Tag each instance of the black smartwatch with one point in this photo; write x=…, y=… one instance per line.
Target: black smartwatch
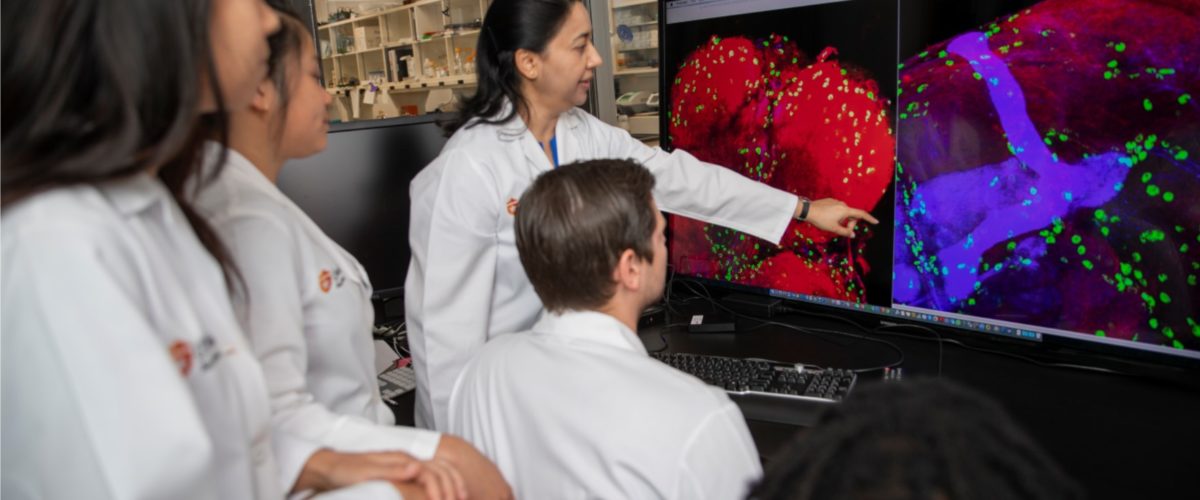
x=804, y=203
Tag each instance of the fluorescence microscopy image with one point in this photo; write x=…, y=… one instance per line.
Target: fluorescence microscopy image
x=1048, y=172
x=805, y=115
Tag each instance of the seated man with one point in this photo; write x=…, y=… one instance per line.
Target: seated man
x=916, y=440
x=575, y=408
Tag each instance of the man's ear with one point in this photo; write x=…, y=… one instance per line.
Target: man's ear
x=528, y=63
x=264, y=97
x=628, y=273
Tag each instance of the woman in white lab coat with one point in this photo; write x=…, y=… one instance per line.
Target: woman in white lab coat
x=125, y=373
x=465, y=284
x=306, y=303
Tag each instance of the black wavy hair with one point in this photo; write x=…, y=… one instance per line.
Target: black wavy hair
x=508, y=26
x=915, y=440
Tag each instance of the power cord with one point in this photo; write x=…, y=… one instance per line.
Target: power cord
x=816, y=332
x=885, y=330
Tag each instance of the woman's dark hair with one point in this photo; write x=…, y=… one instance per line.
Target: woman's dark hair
x=286, y=47
x=573, y=224
x=508, y=26
x=96, y=90
x=915, y=440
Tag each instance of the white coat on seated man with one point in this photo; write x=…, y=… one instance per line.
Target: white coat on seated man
x=575, y=407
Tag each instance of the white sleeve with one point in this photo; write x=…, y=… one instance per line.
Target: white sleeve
x=372, y=490
x=689, y=187
x=93, y=406
x=448, y=292
x=720, y=460
x=272, y=314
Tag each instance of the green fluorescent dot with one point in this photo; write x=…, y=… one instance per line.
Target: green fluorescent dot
x=1168, y=196
x=1126, y=268
x=1082, y=250
x=1100, y=214
x=1112, y=63
x=1076, y=239
x=1162, y=278
x=1182, y=155
x=1152, y=190
x=1177, y=344
x=1146, y=177
x=1164, y=298
x=1012, y=245
x=942, y=54
x=1183, y=99
x=1108, y=75
x=1147, y=104
x=949, y=62
x=1099, y=333
x=1137, y=257
x=1088, y=264
x=1154, y=323
x=1120, y=47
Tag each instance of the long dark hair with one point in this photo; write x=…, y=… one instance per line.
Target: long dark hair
x=508, y=26
x=96, y=90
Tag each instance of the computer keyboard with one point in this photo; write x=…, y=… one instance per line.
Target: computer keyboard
x=396, y=381
x=768, y=390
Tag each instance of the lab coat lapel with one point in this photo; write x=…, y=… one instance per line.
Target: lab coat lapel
x=247, y=172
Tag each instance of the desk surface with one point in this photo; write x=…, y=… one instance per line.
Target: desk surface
x=1120, y=437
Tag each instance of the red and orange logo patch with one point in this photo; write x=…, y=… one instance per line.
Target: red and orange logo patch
x=512, y=206
x=181, y=353
x=325, y=280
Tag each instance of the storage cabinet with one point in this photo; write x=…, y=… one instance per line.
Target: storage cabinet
x=636, y=66
x=399, y=57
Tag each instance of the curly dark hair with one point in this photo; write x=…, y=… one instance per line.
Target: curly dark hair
x=915, y=440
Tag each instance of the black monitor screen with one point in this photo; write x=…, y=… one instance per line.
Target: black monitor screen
x=357, y=192
x=1035, y=164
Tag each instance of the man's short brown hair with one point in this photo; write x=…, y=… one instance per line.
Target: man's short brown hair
x=574, y=223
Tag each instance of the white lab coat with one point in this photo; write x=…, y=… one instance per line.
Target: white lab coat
x=575, y=408
x=100, y=286
x=465, y=283
x=308, y=317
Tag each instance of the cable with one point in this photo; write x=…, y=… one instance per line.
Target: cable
x=662, y=335
x=1026, y=359
x=941, y=341
x=810, y=330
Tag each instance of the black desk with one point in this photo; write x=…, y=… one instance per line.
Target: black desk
x=1121, y=437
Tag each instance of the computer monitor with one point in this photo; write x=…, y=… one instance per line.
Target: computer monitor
x=357, y=190
x=1034, y=164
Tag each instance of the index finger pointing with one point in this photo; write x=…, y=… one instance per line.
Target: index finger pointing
x=864, y=215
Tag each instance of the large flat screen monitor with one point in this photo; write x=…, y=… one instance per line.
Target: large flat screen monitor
x=1035, y=165
x=357, y=190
